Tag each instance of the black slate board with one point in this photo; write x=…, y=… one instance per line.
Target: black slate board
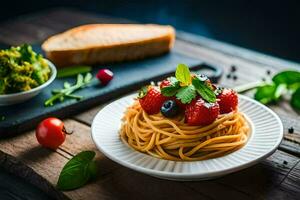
x=128, y=76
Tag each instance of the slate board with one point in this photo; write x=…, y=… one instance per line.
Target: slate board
x=128, y=77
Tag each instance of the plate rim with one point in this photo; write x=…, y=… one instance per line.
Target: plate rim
x=166, y=174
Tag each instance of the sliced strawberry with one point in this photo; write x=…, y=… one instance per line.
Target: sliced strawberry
x=228, y=100
x=152, y=100
x=198, y=112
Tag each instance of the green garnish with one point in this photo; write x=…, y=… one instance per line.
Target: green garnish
x=186, y=94
x=22, y=69
x=183, y=74
x=172, y=89
x=72, y=71
x=185, y=86
x=2, y=118
x=204, y=90
x=68, y=89
x=78, y=171
x=282, y=84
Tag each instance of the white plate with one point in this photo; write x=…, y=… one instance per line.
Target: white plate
x=267, y=133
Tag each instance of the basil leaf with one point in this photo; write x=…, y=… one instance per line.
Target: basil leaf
x=204, y=90
x=183, y=74
x=172, y=89
x=266, y=94
x=78, y=171
x=295, y=100
x=72, y=71
x=287, y=77
x=186, y=94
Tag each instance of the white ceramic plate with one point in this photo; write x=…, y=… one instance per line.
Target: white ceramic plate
x=267, y=133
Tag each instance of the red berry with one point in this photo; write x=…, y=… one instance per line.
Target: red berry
x=164, y=83
x=228, y=100
x=105, y=76
x=152, y=101
x=200, y=113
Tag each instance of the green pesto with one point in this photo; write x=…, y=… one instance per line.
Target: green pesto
x=22, y=69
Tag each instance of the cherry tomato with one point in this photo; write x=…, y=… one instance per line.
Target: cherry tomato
x=51, y=133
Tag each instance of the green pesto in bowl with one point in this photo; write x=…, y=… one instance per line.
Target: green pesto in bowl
x=21, y=69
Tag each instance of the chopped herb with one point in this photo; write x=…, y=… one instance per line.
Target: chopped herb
x=143, y=92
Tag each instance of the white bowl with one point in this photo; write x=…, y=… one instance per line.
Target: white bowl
x=14, y=98
x=266, y=134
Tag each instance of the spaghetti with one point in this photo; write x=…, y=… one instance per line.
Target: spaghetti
x=173, y=139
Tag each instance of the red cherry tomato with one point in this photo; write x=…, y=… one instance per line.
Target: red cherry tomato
x=105, y=76
x=51, y=133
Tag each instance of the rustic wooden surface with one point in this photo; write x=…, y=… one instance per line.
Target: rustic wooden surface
x=277, y=177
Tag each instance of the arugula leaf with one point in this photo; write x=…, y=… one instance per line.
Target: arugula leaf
x=72, y=71
x=183, y=74
x=287, y=77
x=204, y=90
x=78, y=171
x=186, y=94
x=295, y=100
x=172, y=89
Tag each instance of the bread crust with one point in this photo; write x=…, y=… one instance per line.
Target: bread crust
x=103, y=54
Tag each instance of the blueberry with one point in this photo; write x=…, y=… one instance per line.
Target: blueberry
x=169, y=108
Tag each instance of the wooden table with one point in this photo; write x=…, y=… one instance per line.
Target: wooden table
x=277, y=177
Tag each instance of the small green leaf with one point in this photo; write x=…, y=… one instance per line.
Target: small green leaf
x=72, y=71
x=88, y=77
x=78, y=171
x=287, y=77
x=295, y=100
x=79, y=79
x=186, y=94
x=143, y=92
x=204, y=90
x=67, y=85
x=266, y=94
x=172, y=89
x=183, y=74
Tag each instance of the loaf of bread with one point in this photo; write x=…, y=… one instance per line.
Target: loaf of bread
x=108, y=43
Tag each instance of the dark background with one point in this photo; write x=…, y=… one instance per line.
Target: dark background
x=271, y=27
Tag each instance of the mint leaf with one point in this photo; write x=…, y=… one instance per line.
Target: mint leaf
x=287, y=77
x=78, y=171
x=295, y=100
x=183, y=74
x=172, y=89
x=204, y=90
x=186, y=94
x=143, y=92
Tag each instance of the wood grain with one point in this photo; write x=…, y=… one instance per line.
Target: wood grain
x=275, y=178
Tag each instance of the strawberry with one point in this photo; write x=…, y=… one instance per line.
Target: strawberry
x=164, y=83
x=151, y=99
x=198, y=112
x=228, y=100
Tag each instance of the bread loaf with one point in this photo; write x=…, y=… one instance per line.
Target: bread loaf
x=108, y=43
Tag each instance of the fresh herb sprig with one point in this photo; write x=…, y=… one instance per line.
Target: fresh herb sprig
x=284, y=83
x=66, y=92
x=185, y=86
x=78, y=171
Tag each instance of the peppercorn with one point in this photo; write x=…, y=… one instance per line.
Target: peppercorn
x=291, y=130
x=233, y=68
